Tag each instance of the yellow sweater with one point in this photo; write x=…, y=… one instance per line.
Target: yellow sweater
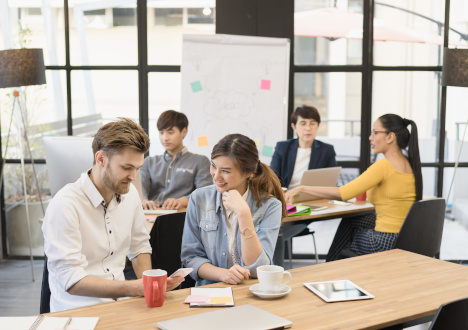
x=391, y=192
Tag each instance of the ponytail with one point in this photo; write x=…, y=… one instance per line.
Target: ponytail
x=405, y=139
x=414, y=159
x=265, y=185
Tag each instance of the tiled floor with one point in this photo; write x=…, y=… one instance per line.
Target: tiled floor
x=19, y=296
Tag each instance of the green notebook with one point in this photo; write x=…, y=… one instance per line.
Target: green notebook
x=300, y=210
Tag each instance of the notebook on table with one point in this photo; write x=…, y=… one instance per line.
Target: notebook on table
x=321, y=177
x=247, y=317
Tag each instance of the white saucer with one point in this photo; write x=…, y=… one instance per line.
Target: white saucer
x=255, y=289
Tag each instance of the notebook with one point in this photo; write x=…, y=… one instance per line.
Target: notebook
x=321, y=177
x=159, y=211
x=245, y=317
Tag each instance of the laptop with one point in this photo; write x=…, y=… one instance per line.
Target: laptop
x=321, y=177
x=245, y=317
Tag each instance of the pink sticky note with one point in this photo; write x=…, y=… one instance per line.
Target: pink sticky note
x=265, y=84
x=196, y=299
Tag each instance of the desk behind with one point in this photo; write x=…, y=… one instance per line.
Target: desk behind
x=406, y=287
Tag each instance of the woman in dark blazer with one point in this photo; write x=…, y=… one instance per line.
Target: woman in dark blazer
x=294, y=156
x=305, y=122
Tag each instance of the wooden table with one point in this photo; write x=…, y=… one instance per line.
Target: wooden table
x=332, y=211
x=406, y=287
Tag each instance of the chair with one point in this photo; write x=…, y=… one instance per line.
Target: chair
x=421, y=231
x=305, y=232
x=452, y=315
x=166, y=241
x=45, y=290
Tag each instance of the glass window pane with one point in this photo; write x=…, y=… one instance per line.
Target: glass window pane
x=45, y=113
x=458, y=34
x=455, y=125
x=101, y=96
x=458, y=191
x=404, y=33
x=429, y=175
x=15, y=209
x=327, y=35
x=103, y=34
x=412, y=95
x=337, y=96
x=167, y=25
x=40, y=25
x=164, y=94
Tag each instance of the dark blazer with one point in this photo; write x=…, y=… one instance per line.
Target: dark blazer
x=284, y=158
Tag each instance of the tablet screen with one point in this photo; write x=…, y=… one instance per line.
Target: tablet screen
x=342, y=290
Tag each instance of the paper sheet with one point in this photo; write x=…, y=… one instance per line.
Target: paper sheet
x=49, y=322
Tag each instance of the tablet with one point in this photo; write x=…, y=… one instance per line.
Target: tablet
x=342, y=290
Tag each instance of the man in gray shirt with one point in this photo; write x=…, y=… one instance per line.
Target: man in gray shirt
x=168, y=180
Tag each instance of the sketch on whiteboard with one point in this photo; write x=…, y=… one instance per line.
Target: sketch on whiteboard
x=230, y=105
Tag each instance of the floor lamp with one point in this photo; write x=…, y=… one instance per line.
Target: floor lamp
x=455, y=73
x=22, y=67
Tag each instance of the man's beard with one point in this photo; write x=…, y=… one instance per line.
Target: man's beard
x=110, y=182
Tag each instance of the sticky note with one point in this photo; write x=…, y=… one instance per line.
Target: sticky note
x=220, y=300
x=196, y=86
x=267, y=151
x=202, y=141
x=196, y=299
x=151, y=219
x=257, y=143
x=265, y=84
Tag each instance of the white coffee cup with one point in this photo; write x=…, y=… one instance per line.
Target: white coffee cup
x=270, y=276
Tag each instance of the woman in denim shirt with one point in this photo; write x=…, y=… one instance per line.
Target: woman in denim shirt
x=231, y=227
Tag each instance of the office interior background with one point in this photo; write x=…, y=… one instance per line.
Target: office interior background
x=107, y=59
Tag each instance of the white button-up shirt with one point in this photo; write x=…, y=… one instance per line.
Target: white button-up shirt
x=81, y=239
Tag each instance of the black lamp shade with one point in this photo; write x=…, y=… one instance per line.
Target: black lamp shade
x=21, y=67
x=455, y=68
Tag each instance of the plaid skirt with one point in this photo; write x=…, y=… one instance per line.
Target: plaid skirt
x=358, y=234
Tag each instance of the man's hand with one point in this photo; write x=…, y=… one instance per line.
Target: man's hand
x=149, y=205
x=175, y=204
x=174, y=282
x=236, y=274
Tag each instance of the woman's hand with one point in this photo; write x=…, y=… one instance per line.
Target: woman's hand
x=236, y=274
x=289, y=195
x=172, y=203
x=233, y=200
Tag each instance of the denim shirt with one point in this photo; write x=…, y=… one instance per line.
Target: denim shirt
x=205, y=237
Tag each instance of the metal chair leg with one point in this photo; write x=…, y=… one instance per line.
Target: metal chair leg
x=289, y=242
x=315, y=248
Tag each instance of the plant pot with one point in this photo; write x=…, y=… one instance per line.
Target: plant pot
x=17, y=231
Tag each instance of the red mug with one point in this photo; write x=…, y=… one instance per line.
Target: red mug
x=155, y=283
x=362, y=197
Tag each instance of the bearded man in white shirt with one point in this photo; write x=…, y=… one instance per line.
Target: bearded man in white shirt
x=92, y=224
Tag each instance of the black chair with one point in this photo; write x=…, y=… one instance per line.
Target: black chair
x=452, y=315
x=166, y=241
x=421, y=231
x=45, y=290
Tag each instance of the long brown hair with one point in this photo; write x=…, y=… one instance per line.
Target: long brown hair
x=243, y=151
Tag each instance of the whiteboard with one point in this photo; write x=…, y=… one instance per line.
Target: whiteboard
x=235, y=84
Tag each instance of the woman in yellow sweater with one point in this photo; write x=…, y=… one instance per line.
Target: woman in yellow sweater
x=393, y=184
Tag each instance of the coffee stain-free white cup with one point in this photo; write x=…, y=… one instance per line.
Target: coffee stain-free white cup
x=270, y=277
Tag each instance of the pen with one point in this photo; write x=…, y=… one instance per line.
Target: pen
x=67, y=323
x=37, y=322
